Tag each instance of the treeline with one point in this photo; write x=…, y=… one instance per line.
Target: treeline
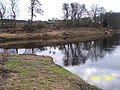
x=9, y=11
x=76, y=15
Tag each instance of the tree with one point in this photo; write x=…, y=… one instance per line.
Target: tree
x=2, y=12
x=77, y=10
x=14, y=8
x=78, y=15
x=111, y=20
x=34, y=8
x=66, y=10
x=74, y=11
x=81, y=10
x=96, y=11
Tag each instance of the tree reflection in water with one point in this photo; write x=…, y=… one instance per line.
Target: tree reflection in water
x=77, y=53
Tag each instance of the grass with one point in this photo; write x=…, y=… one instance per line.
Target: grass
x=50, y=38
x=50, y=35
x=40, y=73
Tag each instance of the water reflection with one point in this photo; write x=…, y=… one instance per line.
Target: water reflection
x=74, y=54
x=93, y=58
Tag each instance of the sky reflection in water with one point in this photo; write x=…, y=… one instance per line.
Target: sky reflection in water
x=109, y=65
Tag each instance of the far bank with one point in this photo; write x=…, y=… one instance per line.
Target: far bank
x=52, y=37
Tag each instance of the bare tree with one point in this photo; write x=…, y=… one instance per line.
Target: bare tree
x=66, y=10
x=34, y=8
x=14, y=8
x=81, y=10
x=74, y=11
x=77, y=10
x=2, y=12
x=96, y=11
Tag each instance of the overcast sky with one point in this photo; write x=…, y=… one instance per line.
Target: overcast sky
x=53, y=8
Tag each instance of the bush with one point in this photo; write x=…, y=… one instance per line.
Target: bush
x=40, y=26
x=28, y=28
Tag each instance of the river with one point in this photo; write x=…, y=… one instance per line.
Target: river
x=97, y=62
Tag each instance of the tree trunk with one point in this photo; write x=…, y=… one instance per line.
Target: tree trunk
x=31, y=14
x=1, y=17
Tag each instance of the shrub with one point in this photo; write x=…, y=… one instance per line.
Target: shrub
x=40, y=26
x=28, y=28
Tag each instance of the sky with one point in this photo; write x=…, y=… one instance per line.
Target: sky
x=53, y=8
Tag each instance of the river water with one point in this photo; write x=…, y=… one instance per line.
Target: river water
x=97, y=62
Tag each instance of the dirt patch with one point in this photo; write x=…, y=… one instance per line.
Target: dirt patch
x=4, y=73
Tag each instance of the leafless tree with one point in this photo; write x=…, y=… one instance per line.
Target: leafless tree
x=2, y=12
x=34, y=8
x=96, y=11
x=14, y=8
x=77, y=10
x=81, y=10
x=74, y=11
x=66, y=10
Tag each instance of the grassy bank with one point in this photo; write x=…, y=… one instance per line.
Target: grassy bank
x=31, y=72
x=51, y=35
x=51, y=38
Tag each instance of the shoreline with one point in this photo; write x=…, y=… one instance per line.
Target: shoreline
x=30, y=72
x=50, y=38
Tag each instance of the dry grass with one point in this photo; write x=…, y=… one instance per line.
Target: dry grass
x=49, y=38
x=50, y=35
